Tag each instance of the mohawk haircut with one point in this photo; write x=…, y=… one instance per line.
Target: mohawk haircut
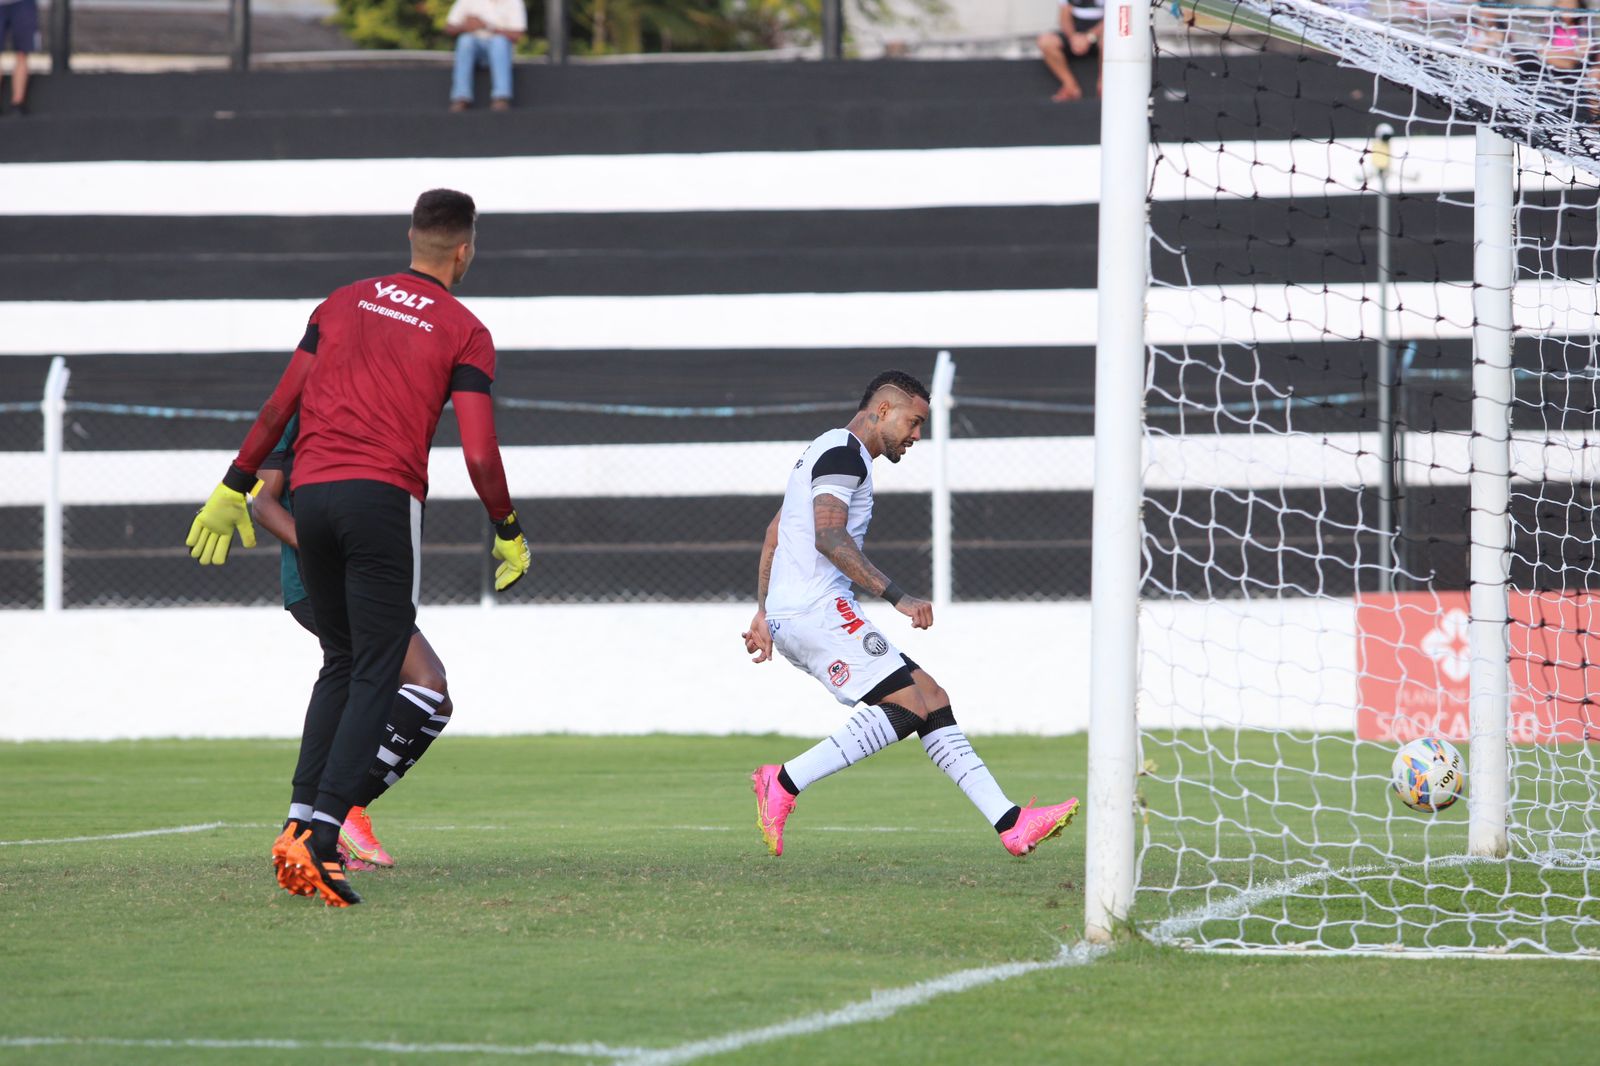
x=444, y=217
x=898, y=379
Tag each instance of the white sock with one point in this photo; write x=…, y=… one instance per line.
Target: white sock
x=330, y=819
x=866, y=733
x=300, y=812
x=952, y=752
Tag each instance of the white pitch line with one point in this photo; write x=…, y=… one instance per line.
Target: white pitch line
x=1172, y=931
x=1179, y=924
x=1174, y=927
x=876, y=829
x=812, y=829
x=880, y=1006
x=582, y=1050
x=202, y=827
x=168, y=831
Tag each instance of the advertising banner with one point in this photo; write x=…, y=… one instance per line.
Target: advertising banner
x=1414, y=664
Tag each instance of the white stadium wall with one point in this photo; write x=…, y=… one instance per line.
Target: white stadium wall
x=643, y=668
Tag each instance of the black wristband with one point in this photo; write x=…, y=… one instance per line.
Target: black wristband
x=238, y=480
x=894, y=594
x=508, y=528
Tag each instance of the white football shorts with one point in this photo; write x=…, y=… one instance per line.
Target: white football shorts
x=837, y=645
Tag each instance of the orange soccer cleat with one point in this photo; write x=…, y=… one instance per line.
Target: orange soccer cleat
x=288, y=879
x=309, y=872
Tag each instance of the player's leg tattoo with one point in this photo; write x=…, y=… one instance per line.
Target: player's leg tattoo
x=947, y=745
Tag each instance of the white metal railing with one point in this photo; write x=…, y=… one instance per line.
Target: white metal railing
x=53, y=407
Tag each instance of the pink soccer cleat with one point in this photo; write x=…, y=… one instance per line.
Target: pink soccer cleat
x=362, y=849
x=1035, y=825
x=773, y=805
x=353, y=863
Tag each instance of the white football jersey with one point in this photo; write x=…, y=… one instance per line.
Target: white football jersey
x=838, y=464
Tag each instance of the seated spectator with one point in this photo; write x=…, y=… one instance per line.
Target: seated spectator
x=1569, y=41
x=486, y=33
x=1082, y=26
x=19, y=21
x=1486, y=32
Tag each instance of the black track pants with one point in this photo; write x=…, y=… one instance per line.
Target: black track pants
x=360, y=559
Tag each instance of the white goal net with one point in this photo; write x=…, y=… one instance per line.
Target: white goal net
x=1334, y=560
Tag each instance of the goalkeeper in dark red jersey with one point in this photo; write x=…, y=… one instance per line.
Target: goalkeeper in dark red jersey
x=369, y=380
x=420, y=710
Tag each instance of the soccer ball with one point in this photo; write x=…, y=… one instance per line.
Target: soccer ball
x=1427, y=774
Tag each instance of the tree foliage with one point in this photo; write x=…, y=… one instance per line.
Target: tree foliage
x=620, y=27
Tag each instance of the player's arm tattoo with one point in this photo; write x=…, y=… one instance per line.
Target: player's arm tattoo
x=839, y=547
x=769, y=548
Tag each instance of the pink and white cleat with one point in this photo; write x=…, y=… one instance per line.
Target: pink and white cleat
x=353, y=863
x=362, y=849
x=1035, y=825
x=773, y=806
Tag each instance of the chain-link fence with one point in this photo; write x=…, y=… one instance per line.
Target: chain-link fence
x=21, y=526
x=630, y=501
x=624, y=501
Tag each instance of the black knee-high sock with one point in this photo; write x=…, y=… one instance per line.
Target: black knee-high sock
x=418, y=715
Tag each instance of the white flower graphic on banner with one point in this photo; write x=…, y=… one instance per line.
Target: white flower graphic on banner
x=1449, y=646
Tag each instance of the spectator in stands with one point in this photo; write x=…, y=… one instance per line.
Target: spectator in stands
x=1486, y=31
x=486, y=33
x=1569, y=41
x=1082, y=26
x=19, y=21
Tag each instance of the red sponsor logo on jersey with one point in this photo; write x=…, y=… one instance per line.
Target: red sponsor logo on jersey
x=851, y=622
x=838, y=672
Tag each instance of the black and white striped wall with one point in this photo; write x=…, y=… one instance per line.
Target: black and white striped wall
x=743, y=244
x=689, y=270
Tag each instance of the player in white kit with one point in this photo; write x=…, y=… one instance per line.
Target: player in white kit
x=806, y=609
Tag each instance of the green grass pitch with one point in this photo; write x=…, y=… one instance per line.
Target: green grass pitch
x=590, y=900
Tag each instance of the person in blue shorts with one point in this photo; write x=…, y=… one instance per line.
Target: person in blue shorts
x=19, y=27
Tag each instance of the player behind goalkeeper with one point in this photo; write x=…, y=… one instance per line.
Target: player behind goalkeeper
x=420, y=710
x=369, y=379
x=805, y=608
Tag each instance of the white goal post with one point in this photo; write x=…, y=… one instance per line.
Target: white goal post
x=1277, y=545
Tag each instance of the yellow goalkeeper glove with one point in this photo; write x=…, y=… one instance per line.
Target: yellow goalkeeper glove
x=212, y=532
x=511, y=548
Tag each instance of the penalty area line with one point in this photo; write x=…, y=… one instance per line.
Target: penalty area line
x=880, y=1006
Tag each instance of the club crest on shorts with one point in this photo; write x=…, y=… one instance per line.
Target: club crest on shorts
x=874, y=643
x=838, y=672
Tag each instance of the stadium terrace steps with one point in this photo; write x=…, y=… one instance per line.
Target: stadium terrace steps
x=583, y=109
x=377, y=113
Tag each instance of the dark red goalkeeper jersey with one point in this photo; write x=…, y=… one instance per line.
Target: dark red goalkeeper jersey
x=371, y=377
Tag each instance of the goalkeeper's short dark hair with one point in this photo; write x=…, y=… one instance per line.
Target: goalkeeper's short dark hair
x=445, y=213
x=899, y=379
